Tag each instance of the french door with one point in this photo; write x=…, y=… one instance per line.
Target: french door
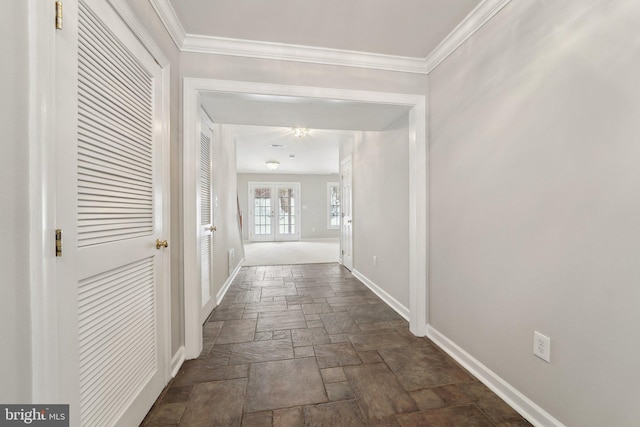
x=111, y=205
x=274, y=211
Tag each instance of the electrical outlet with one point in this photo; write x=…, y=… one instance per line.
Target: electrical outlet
x=375, y=260
x=542, y=346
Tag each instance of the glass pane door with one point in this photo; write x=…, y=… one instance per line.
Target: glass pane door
x=287, y=213
x=262, y=213
x=274, y=211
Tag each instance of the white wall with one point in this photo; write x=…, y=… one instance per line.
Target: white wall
x=299, y=73
x=15, y=335
x=535, y=203
x=381, y=207
x=227, y=235
x=313, y=195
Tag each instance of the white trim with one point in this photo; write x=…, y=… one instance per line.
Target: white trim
x=384, y=296
x=191, y=241
x=194, y=43
x=222, y=292
x=123, y=9
x=298, y=53
x=418, y=172
x=166, y=211
x=347, y=159
x=193, y=85
x=167, y=15
x=176, y=361
x=518, y=401
x=479, y=16
x=418, y=218
x=45, y=378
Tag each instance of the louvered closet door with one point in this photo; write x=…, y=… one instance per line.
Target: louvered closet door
x=206, y=216
x=118, y=206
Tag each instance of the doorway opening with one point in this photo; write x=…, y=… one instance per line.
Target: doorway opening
x=270, y=157
x=298, y=100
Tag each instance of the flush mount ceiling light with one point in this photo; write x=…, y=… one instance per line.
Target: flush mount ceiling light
x=278, y=146
x=300, y=132
x=273, y=165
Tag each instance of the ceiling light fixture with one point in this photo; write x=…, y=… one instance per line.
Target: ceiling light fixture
x=278, y=146
x=273, y=165
x=300, y=132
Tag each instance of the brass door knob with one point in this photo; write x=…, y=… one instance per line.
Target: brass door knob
x=161, y=244
x=213, y=228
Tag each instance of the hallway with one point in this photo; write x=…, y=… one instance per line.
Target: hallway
x=311, y=345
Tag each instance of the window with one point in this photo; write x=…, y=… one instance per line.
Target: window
x=333, y=205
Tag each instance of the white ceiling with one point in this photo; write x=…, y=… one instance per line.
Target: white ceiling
x=259, y=121
x=410, y=28
x=401, y=28
x=316, y=153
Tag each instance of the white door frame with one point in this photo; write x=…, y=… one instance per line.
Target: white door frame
x=47, y=384
x=349, y=159
x=418, y=186
x=275, y=223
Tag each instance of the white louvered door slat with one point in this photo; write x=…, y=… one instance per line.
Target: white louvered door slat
x=115, y=179
x=206, y=216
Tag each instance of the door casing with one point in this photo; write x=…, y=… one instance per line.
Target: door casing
x=346, y=228
x=48, y=381
x=418, y=184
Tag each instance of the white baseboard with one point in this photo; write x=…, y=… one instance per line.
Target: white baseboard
x=228, y=282
x=518, y=401
x=391, y=301
x=176, y=361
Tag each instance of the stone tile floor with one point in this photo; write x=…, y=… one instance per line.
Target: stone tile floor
x=310, y=345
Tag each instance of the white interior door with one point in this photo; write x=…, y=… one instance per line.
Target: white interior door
x=206, y=229
x=110, y=203
x=274, y=211
x=346, y=240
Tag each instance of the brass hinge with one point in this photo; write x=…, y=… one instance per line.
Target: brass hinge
x=58, y=15
x=58, y=242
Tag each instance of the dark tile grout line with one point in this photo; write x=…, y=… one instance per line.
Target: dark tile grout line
x=259, y=314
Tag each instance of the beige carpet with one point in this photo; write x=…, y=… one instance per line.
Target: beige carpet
x=285, y=253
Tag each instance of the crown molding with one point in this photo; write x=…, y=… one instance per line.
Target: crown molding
x=170, y=20
x=479, y=16
x=298, y=53
x=486, y=10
